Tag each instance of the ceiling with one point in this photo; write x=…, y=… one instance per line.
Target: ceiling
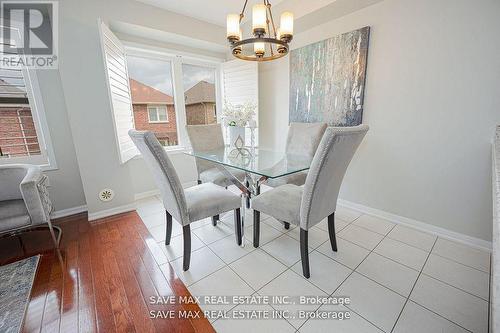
x=215, y=11
x=308, y=13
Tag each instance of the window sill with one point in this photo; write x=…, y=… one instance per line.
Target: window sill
x=159, y=122
x=44, y=165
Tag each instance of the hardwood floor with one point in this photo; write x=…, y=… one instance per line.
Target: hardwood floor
x=104, y=280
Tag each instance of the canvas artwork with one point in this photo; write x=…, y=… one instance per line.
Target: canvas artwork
x=327, y=80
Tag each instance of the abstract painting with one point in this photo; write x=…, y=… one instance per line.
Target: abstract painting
x=327, y=80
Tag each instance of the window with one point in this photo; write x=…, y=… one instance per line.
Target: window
x=199, y=94
x=157, y=114
x=152, y=90
x=168, y=91
x=24, y=134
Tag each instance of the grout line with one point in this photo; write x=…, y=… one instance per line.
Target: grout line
x=437, y=314
x=366, y=276
x=354, y=270
x=447, y=283
x=382, y=285
x=348, y=241
x=457, y=262
x=319, y=305
x=227, y=265
x=381, y=234
x=289, y=267
x=414, y=284
x=411, y=244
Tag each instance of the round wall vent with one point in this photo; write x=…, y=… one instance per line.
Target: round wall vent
x=107, y=194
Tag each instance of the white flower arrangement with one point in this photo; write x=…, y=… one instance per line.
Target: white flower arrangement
x=238, y=114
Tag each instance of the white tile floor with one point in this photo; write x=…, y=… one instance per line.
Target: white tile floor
x=398, y=279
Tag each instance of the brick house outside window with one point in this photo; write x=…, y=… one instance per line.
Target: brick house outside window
x=154, y=111
x=200, y=104
x=18, y=136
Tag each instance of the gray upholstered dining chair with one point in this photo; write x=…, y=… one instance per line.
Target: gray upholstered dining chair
x=205, y=138
x=308, y=205
x=24, y=201
x=185, y=205
x=303, y=139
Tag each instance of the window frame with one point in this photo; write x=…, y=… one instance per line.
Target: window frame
x=177, y=59
x=47, y=159
x=157, y=108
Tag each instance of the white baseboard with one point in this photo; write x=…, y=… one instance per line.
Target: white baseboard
x=429, y=228
x=145, y=195
x=68, y=211
x=112, y=211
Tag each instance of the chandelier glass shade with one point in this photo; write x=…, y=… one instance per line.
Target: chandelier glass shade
x=267, y=42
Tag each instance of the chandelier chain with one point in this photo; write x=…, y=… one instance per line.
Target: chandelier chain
x=272, y=20
x=268, y=10
x=242, y=14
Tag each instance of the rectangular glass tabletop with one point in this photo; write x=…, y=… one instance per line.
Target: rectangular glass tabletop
x=267, y=163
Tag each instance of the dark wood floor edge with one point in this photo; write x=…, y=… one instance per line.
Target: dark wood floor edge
x=71, y=217
x=178, y=286
x=180, y=289
x=59, y=305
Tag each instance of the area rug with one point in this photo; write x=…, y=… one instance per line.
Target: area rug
x=16, y=281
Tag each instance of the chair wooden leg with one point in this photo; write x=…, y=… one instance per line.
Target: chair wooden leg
x=331, y=231
x=256, y=228
x=214, y=220
x=287, y=225
x=304, y=253
x=186, y=234
x=168, y=234
x=237, y=225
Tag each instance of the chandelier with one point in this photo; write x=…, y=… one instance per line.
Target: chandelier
x=268, y=42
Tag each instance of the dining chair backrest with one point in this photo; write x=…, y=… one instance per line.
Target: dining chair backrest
x=304, y=138
x=328, y=167
x=164, y=174
x=204, y=138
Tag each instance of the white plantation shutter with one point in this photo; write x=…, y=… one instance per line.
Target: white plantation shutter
x=240, y=81
x=119, y=92
x=240, y=84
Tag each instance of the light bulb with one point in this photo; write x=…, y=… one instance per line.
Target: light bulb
x=259, y=49
x=233, y=26
x=286, y=25
x=259, y=19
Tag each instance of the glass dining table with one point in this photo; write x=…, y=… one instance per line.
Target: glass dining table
x=258, y=166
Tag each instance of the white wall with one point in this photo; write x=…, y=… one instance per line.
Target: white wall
x=66, y=189
x=432, y=102
x=83, y=78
